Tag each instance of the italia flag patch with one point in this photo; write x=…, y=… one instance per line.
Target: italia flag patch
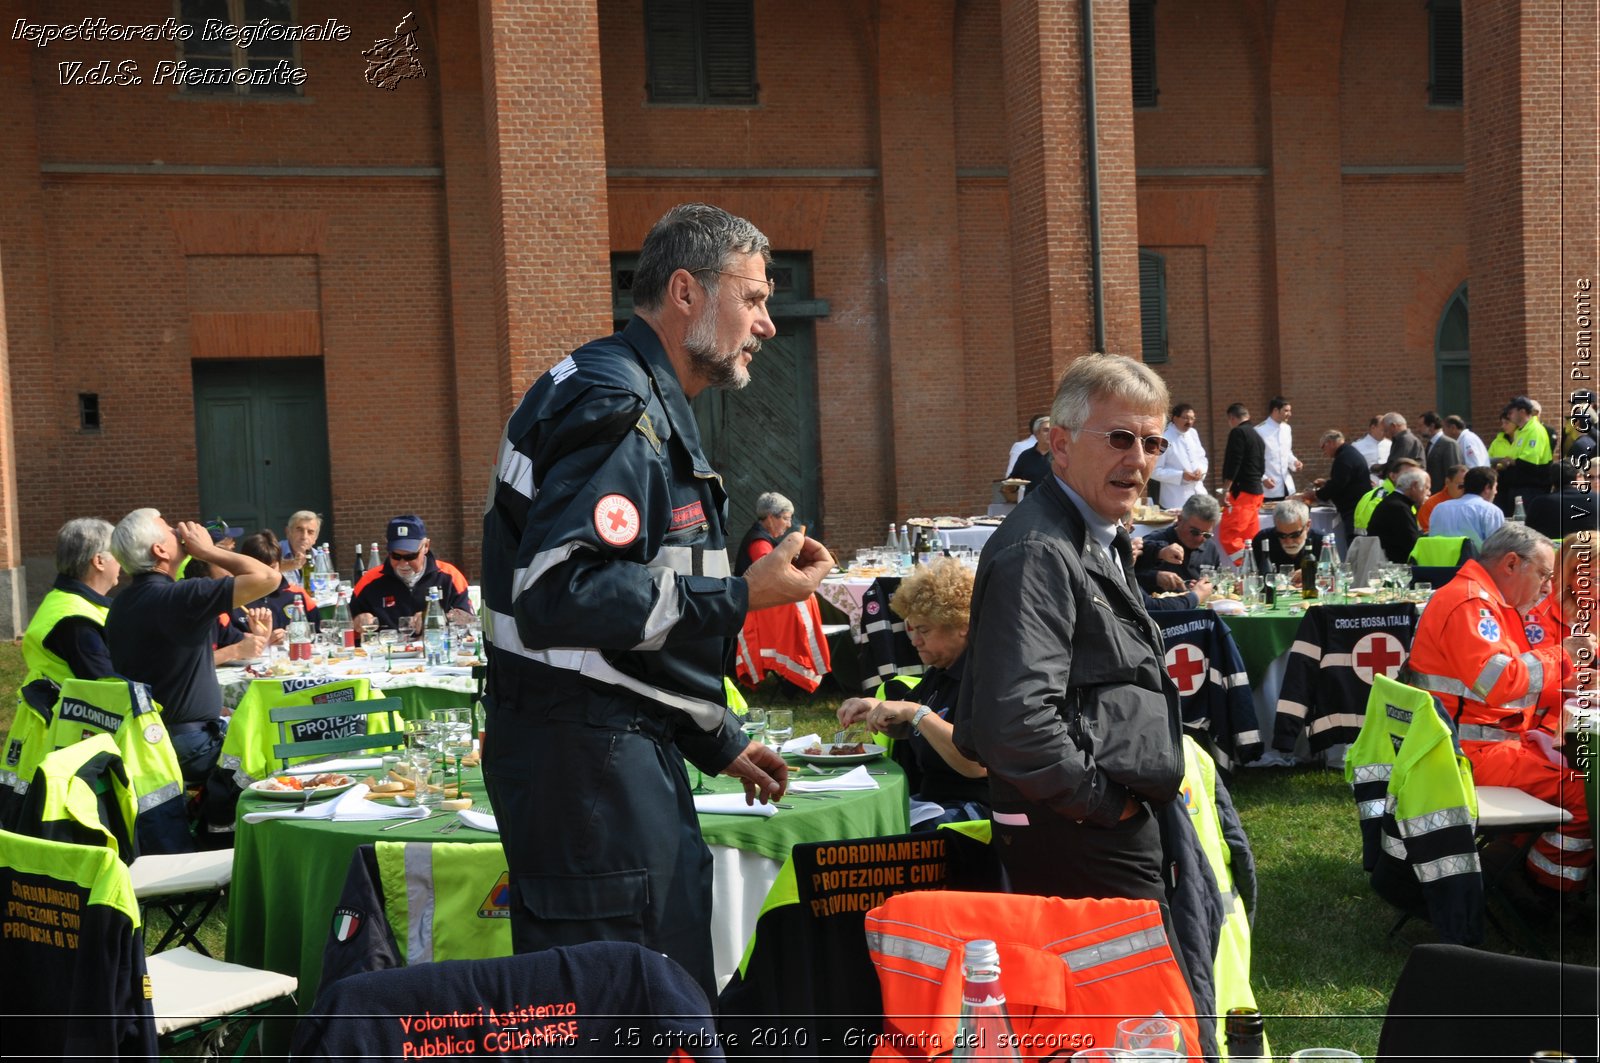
x=616, y=520
x=1489, y=629
x=346, y=923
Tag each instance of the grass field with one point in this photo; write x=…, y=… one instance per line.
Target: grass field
x=1324, y=963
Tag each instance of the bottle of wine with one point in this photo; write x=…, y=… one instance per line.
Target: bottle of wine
x=984, y=1030
x=1308, y=574
x=1246, y=1033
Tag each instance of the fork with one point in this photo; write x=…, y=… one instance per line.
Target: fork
x=449, y=828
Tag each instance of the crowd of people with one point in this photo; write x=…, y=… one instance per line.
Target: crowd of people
x=610, y=603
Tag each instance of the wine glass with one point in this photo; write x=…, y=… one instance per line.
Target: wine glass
x=755, y=724
x=422, y=748
x=1155, y=1036
x=780, y=727
x=455, y=734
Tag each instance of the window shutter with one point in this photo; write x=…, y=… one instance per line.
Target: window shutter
x=1444, y=53
x=670, y=43
x=1153, y=306
x=1142, y=51
x=730, y=51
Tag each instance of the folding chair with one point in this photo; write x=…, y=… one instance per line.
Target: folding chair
x=345, y=720
x=197, y=996
x=187, y=887
x=1452, y=1002
x=1504, y=811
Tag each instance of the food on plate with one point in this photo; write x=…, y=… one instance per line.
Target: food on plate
x=299, y=783
x=455, y=804
x=836, y=750
x=389, y=786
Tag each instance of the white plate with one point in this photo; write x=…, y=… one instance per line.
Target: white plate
x=826, y=757
x=317, y=794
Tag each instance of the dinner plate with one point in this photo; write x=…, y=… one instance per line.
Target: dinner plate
x=317, y=793
x=825, y=757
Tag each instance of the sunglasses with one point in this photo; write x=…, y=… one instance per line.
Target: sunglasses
x=1122, y=439
x=395, y=555
x=1196, y=531
x=1290, y=534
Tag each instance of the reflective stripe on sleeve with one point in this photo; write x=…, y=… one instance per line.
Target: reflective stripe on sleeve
x=1440, y=820
x=159, y=797
x=515, y=470
x=1492, y=670
x=897, y=947
x=1111, y=951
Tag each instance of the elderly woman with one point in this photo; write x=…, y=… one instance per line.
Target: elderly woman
x=1286, y=542
x=774, y=514
x=66, y=639
x=934, y=601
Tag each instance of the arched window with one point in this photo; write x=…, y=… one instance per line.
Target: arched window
x=1452, y=357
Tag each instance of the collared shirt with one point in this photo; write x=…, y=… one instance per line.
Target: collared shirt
x=1186, y=454
x=1470, y=515
x=1279, y=438
x=160, y=633
x=1473, y=451
x=1376, y=451
x=1101, y=531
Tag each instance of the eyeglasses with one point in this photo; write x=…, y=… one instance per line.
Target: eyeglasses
x=1122, y=439
x=395, y=555
x=1284, y=533
x=1194, y=531
x=765, y=282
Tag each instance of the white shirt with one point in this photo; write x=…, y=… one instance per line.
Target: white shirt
x=1376, y=451
x=1017, y=448
x=1279, y=438
x=1184, y=454
x=1473, y=452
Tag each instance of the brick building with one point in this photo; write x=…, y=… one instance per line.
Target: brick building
x=250, y=298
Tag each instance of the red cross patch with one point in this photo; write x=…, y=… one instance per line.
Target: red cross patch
x=1379, y=653
x=1187, y=666
x=616, y=520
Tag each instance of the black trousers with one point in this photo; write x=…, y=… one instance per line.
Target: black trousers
x=600, y=836
x=1056, y=857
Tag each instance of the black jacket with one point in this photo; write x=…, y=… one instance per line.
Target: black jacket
x=1442, y=453
x=1394, y=522
x=1244, y=461
x=1562, y=513
x=1066, y=697
x=1348, y=480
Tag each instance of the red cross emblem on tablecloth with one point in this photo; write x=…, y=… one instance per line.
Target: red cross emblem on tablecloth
x=1377, y=653
x=1187, y=666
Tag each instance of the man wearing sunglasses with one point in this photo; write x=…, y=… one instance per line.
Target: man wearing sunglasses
x=1066, y=697
x=1286, y=542
x=395, y=594
x=1172, y=557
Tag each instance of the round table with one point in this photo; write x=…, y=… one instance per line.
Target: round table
x=288, y=874
x=419, y=689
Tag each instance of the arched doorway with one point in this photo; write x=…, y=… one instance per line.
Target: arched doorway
x=1452, y=358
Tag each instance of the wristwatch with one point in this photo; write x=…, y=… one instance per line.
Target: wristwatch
x=916, y=720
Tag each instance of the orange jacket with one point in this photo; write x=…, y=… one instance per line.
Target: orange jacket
x=1471, y=651
x=1071, y=969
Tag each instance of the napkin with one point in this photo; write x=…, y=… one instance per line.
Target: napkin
x=850, y=780
x=798, y=745
x=348, y=765
x=350, y=806
x=731, y=805
x=478, y=820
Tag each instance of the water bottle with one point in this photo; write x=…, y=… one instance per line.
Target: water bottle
x=1517, y=512
x=905, y=547
x=984, y=1031
x=374, y=560
x=435, y=632
x=341, y=624
x=892, y=543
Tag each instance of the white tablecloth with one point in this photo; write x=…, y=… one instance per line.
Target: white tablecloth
x=974, y=536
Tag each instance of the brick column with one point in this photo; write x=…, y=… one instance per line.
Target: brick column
x=1307, y=213
x=544, y=129
x=1047, y=130
x=922, y=253
x=24, y=310
x=1527, y=89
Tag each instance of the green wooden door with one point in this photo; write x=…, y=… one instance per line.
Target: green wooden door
x=1452, y=354
x=262, y=437
x=763, y=437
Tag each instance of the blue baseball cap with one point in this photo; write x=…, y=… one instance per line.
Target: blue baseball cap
x=406, y=533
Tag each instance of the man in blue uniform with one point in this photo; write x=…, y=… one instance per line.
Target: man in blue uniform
x=396, y=593
x=610, y=609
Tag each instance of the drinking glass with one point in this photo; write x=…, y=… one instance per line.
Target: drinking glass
x=455, y=734
x=1157, y=1032
x=1421, y=592
x=780, y=727
x=422, y=754
x=369, y=635
x=755, y=724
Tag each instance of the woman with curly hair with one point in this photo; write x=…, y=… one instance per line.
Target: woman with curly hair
x=934, y=601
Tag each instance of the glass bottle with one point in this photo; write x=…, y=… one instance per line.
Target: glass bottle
x=1308, y=574
x=434, y=631
x=1246, y=1032
x=374, y=559
x=984, y=1031
x=341, y=625
x=892, y=543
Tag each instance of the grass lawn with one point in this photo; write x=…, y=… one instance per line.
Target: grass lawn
x=1324, y=963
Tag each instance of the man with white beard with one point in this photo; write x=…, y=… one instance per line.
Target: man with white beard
x=396, y=593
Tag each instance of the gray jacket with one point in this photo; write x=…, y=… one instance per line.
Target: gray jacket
x=1066, y=697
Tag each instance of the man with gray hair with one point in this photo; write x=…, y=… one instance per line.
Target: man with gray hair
x=1402, y=443
x=610, y=607
x=160, y=630
x=1172, y=557
x=1471, y=652
x=1394, y=522
x=66, y=639
x=1286, y=542
x=1066, y=697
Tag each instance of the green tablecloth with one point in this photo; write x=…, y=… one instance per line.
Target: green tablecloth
x=287, y=875
x=1263, y=637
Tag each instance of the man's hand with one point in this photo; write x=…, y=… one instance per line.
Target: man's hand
x=1169, y=581
x=855, y=710
x=791, y=573
x=1192, y=475
x=261, y=624
x=361, y=620
x=460, y=616
x=1136, y=546
x=196, y=541
x=762, y=770
x=1202, y=591
x=250, y=646
x=1172, y=554
x=1268, y=482
x=1297, y=466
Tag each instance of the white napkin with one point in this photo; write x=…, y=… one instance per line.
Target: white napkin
x=483, y=821
x=347, y=765
x=731, y=805
x=348, y=807
x=857, y=779
x=798, y=745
